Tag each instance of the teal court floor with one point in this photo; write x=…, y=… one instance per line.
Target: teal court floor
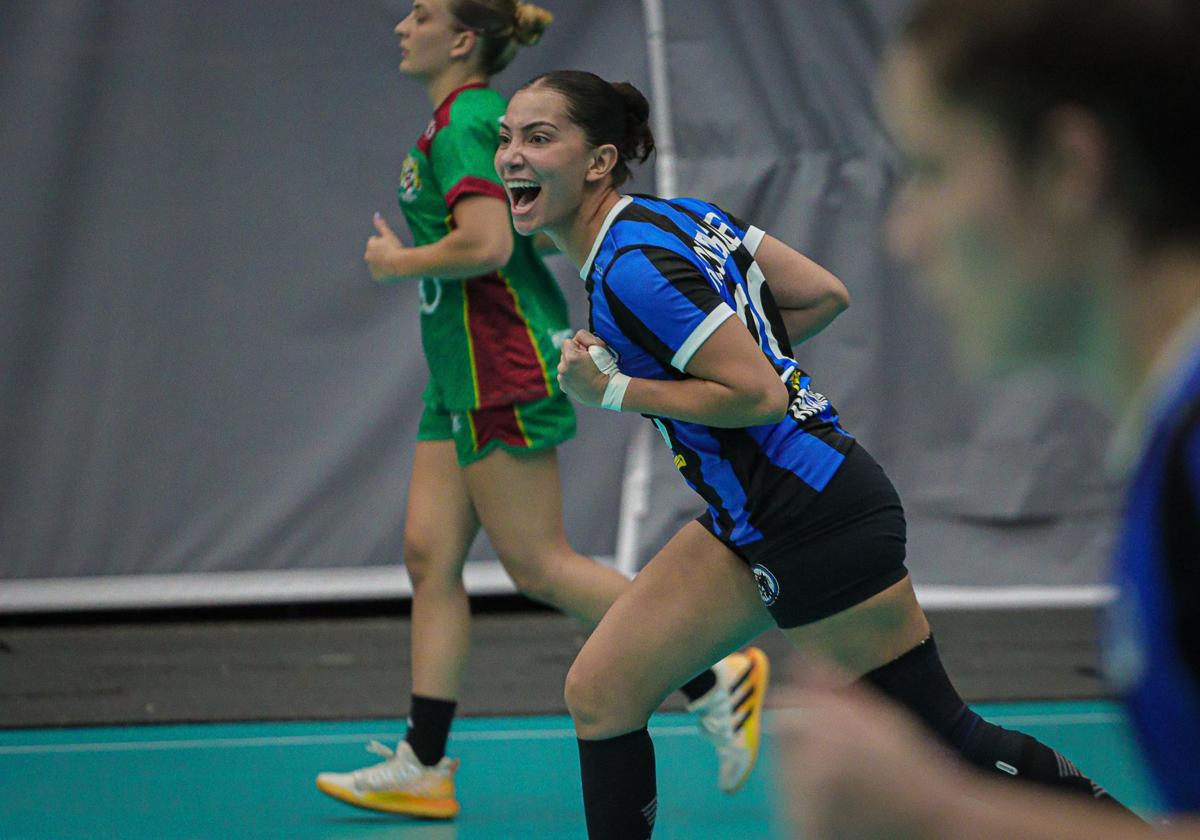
x=519, y=779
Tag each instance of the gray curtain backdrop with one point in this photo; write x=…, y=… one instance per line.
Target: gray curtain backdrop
x=775, y=118
x=196, y=373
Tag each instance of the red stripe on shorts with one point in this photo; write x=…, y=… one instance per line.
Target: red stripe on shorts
x=497, y=424
x=507, y=366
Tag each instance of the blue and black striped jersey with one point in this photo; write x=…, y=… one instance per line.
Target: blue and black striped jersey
x=661, y=277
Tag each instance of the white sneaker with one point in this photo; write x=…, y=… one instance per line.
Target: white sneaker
x=731, y=714
x=400, y=785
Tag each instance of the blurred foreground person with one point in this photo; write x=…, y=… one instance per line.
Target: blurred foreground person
x=1049, y=143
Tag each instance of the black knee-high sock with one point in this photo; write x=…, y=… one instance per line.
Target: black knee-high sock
x=697, y=687
x=918, y=681
x=429, y=722
x=620, y=796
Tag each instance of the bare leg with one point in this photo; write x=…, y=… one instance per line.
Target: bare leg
x=417, y=779
x=868, y=635
x=517, y=497
x=440, y=526
x=694, y=603
x=519, y=501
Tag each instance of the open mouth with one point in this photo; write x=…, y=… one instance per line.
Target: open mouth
x=522, y=194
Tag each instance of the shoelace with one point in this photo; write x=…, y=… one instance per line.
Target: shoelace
x=381, y=749
x=388, y=772
x=717, y=725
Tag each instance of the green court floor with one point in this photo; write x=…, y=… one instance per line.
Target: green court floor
x=519, y=779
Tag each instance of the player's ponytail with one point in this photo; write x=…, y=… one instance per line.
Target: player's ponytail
x=639, y=139
x=531, y=22
x=502, y=26
x=613, y=113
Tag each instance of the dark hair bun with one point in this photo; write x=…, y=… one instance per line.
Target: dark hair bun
x=639, y=139
x=610, y=113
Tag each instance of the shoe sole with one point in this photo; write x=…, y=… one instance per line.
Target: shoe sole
x=759, y=681
x=430, y=809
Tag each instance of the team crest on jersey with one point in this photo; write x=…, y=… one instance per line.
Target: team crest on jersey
x=807, y=404
x=768, y=585
x=410, y=179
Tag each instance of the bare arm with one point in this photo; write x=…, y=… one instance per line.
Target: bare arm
x=986, y=809
x=809, y=296
x=481, y=242
x=732, y=385
x=860, y=766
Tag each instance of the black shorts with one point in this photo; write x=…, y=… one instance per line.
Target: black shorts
x=848, y=546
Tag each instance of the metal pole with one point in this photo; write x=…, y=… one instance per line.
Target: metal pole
x=635, y=489
x=660, y=99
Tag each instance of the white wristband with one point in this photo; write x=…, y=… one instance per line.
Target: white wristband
x=614, y=394
x=606, y=363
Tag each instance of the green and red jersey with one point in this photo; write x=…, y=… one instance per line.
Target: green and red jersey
x=491, y=340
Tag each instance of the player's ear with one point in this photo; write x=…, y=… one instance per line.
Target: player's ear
x=464, y=44
x=603, y=160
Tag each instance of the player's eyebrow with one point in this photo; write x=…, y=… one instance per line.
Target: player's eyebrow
x=531, y=125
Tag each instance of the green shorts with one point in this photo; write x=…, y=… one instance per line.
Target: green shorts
x=523, y=427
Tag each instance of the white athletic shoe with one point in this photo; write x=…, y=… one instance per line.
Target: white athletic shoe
x=731, y=714
x=400, y=785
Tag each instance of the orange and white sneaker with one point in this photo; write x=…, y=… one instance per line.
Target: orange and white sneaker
x=731, y=714
x=399, y=785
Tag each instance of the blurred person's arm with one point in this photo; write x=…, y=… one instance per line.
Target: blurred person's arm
x=856, y=766
x=987, y=808
x=809, y=296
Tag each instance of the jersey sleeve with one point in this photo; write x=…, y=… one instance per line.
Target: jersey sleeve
x=462, y=155
x=664, y=302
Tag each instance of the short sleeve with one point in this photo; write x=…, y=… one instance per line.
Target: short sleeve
x=462, y=155
x=664, y=302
